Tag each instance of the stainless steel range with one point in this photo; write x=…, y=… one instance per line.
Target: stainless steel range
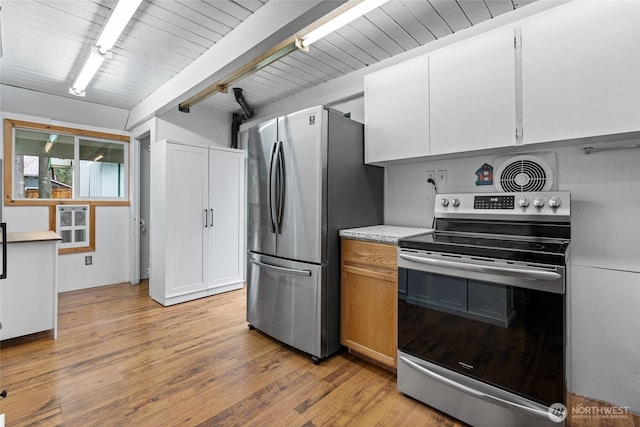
x=481, y=308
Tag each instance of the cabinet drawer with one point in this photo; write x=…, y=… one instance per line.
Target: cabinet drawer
x=372, y=255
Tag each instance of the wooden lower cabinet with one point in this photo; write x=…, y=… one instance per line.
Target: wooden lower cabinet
x=369, y=300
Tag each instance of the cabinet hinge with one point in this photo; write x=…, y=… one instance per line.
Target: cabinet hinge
x=517, y=38
x=519, y=133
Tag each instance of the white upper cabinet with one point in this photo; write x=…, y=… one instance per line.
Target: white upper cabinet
x=396, y=112
x=473, y=94
x=581, y=71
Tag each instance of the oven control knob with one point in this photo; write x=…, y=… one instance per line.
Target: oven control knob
x=555, y=202
x=523, y=203
x=455, y=203
x=444, y=202
x=538, y=202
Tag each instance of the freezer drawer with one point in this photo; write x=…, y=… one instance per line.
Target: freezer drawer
x=284, y=300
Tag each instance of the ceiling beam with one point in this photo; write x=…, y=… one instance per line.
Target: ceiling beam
x=275, y=21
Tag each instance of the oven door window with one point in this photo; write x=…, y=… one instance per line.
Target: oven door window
x=509, y=337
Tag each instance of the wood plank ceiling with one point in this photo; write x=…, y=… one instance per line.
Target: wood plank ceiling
x=46, y=43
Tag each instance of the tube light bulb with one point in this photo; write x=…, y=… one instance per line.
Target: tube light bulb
x=339, y=21
x=119, y=18
x=52, y=138
x=98, y=157
x=89, y=69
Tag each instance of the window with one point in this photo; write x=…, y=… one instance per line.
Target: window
x=51, y=164
x=102, y=169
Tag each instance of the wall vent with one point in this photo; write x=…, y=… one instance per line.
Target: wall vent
x=525, y=172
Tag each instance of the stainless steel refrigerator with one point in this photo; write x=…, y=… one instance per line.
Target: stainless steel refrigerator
x=306, y=180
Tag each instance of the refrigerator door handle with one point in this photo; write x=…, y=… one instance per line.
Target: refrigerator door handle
x=4, y=252
x=281, y=269
x=282, y=185
x=272, y=188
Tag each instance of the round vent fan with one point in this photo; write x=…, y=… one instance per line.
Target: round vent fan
x=65, y=219
x=524, y=173
x=80, y=218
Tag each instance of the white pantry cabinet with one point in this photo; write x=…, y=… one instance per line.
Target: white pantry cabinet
x=581, y=71
x=473, y=94
x=196, y=221
x=396, y=112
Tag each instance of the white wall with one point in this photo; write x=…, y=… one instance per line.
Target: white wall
x=202, y=125
x=111, y=255
x=61, y=109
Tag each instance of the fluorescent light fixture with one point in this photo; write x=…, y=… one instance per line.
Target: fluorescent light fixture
x=52, y=138
x=361, y=8
x=89, y=69
x=1, y=50
x=121, y=14
x=118, y=19
x=98, y=157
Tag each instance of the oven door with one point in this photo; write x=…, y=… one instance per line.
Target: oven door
x=494, y=321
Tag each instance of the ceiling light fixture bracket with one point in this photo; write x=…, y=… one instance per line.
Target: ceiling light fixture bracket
x=300, y=45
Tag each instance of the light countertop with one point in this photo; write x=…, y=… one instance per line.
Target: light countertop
x=31, y=236
x=389, y=234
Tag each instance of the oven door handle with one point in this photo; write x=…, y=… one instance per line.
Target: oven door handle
x=505, y=271
x=544, y=413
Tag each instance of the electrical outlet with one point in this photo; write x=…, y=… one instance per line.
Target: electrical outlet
x=88, y=260
x=441, y=177
x=431, y=174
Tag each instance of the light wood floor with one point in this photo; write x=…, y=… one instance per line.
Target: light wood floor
x=123, y=360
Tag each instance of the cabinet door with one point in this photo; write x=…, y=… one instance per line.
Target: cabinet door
x=369, y=323
x=580, y=70
x=226, y=218
x=186, y=218
x=473, y=94
x=396, y=112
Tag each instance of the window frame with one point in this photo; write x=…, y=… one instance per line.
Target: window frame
x=9, y=161
x=53, y=220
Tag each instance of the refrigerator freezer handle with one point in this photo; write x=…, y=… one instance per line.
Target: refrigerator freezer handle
x=4, y=250
x=281, y=269
x=272, y=187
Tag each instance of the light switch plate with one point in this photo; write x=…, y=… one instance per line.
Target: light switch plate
x=441, y=177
